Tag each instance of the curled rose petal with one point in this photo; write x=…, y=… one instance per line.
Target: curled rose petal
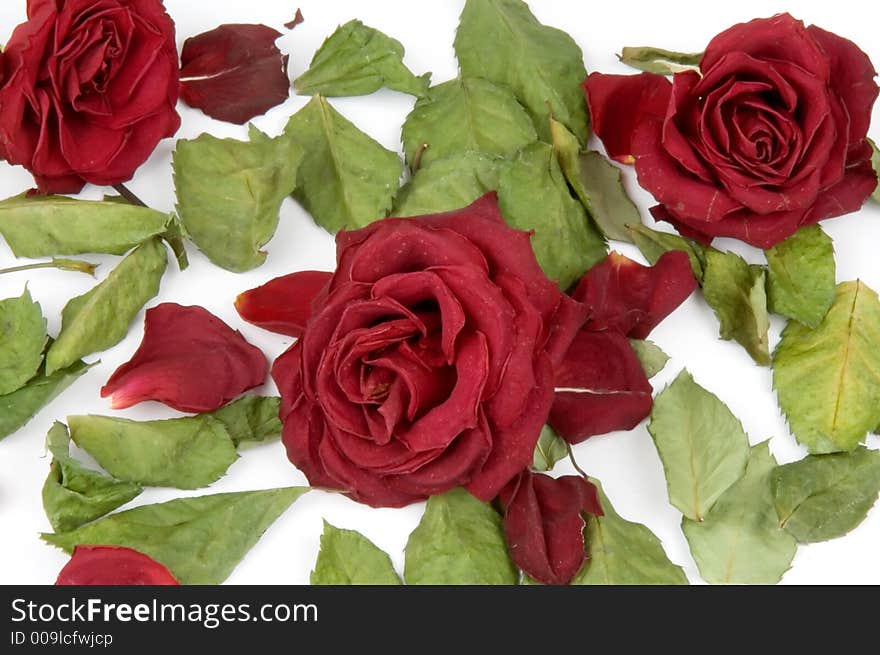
x=624, y=296
x=544, y=524
x=189, y=360
x=283, y=305
x=113, y=565
x=234, y=72
x=297, y=19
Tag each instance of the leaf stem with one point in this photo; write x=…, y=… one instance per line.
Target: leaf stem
x=574, y=462
x=126, y=193
x=75, y=265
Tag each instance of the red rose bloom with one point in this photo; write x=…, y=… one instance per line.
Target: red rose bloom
x=89, y=90
x=768, y=136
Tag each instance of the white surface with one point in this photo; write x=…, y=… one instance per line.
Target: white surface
x=627, y=463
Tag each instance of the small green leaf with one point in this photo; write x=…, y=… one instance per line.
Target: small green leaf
x=624, y=553
x=823, y=497
x=502, y=41
x=740, y=541
x=74, y=495
x=828, y=380
x=349, y=558
x=199, y=539
x=653, y=244
x=100, y=318
x=346, y=179
x=22, y=340
x=653, y=359
x=459, y=540
x=875, y=162
x=466, y=115
x=736, y=291
x=534, y=195
x=702, y=445
x=186, y=453
x=801, y=276
x=357, y=60
x=448, y=184
x=660, y=61
x=251, y=419
x=229, y=194
x=549, y=450
x=44, y=226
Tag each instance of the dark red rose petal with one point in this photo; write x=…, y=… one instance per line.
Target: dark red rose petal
x=283, y=305
x=234, y=72
x=189, y=360
x=600, y=387
x=619, y=103
x=113, y=565
x=626, y=297
x=297, y=19
x=544, y=525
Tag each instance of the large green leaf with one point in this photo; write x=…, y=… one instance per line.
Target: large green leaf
x=652, y=358
x=229, y=194
x=702, y=445
x=550, y=449
x=466, y=115
x=357, y=60
x=740, y=541
x=502, y=41
x=346, y=179
x=736, y=291
x=74, y=495
x=654, y=244
x=22, y=339
x=100, y=318
x=459, y=540
x=825, y=496
x=349, y=558
x=534, y=195
x=448, y=184
x=801, y=276
x=828, y=380
x=251, y=419
x=186, y=453
x=660, y=61
x=44, y=226
x=199, y=539
x=624, y=553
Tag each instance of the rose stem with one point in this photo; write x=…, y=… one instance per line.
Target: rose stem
x=126, y=193
x=574, y=462
x=61, y=264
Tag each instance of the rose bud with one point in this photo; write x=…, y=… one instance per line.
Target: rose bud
x=113, y=565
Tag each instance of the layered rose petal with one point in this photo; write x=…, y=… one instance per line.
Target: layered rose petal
x=189, y=360
x=113, y=565
x=283, y=305
x=544, y=525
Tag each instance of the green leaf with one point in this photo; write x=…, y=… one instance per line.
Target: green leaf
x=549, y=450
x=801, y=276
x=823, y=497
x=349, y=558
x=186, y=453
x=74, y=495
x=229, y=194
x=459, y=540
x=251, y=419
x=653, y=359
x=466, y=115
x=534, y=195
x=346, y=179
x=19, y=407
x=828, y=380
x=174, y=237
x=660, y=61
x=357, y=60
x=624, y=553
x=22, y=340
x=43, y=226
x=654, y=244
x=740, y=541
x=199, y=539
x=448, y=184
x=736, y=291
x=702, y=445
x=875, y=162
x=100, y=318
x=502, y=41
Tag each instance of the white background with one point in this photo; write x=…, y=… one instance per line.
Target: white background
x=627, y=463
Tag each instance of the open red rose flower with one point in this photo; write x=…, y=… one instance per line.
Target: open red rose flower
x=113, y=565
x=769, y=135
x=428, y=360
x=89, y=88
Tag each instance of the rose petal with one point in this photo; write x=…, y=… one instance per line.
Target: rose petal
x=297, y=19
x=113, y=565
x=283, y=305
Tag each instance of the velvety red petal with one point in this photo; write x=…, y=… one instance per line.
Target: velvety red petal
x=283, y=305
x=619, y=103
x=113, y=565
